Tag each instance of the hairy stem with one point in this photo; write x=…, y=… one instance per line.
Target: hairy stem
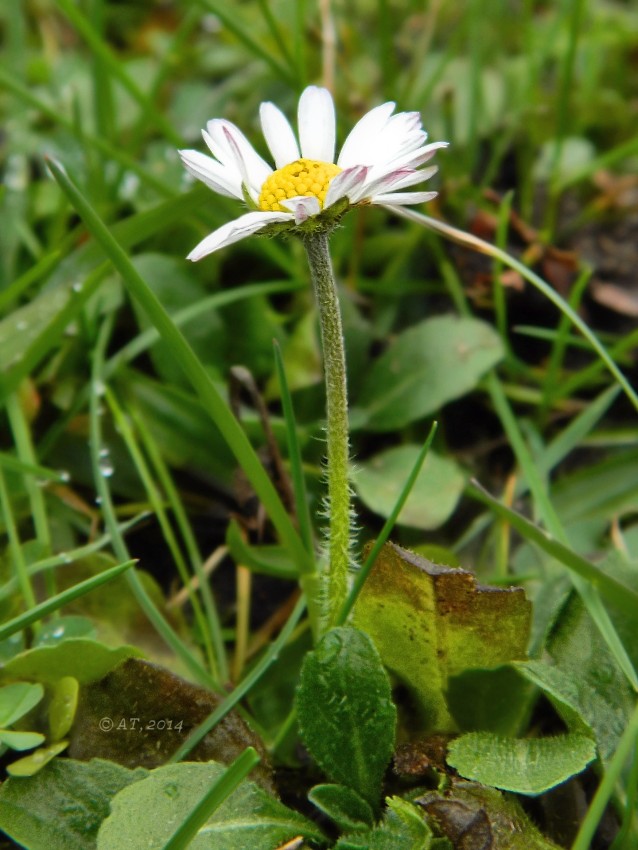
x=334, y=359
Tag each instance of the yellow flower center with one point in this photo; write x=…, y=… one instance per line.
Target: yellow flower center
x=302, y=177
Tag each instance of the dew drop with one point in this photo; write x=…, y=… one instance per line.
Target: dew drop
x=105, y=464
x=58, y=632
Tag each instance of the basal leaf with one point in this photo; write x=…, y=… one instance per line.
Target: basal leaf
x=343, y=806
x=583, y=681
x=379, y=481
x=523, y=765
x=428, y=365
x=62, y=806
x=346, y=715
x=403, y=828
x=431, y=622
x=147, y=813
x=86, y=660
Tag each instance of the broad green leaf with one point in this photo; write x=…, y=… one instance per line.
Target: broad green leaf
x=63, y=628
x=498, y=700
x=431, y=622
x=379, y=480
x=62, y=806
x=403, y=828
x=427, y=366
x=583, y=681
x=18, y=699
x=343, y=806
x=345, y=711
x=86, y=660
x=522, y=765
x=20, y=740
x=150, y=811
x=35, y=761
x=483, y=818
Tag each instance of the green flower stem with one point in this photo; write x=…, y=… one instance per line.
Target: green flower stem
x=336, y=579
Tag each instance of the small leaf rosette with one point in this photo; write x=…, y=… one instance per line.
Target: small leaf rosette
x=308, y=190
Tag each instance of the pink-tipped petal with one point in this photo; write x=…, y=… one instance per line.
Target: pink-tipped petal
x=216, y=176
x=302, y=207
x=412, y=178
x=234, y=231
x=221, y=133
x=402, y=199
x=317, y=125
x=278, y=134
x=346, y=184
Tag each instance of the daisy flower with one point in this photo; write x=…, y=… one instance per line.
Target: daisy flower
x=381, y=157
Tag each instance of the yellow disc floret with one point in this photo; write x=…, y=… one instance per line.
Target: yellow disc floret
x=303, y=177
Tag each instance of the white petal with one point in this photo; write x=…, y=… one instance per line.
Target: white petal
x=235, y=230
x=226, y=140
x=278, y=134
x=355, y=150
x=413, y=177
x=415, y=158
x=217, y=177
x=302, y=207
x=316, y=121
x=345, y=184
x=401, y=199
x=384, y=183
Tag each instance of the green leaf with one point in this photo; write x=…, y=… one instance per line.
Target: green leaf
x=436, y=491
x=176, y=286
x=18, y=699
x=35, y=761
x=525, y=766
x=269, y=559
x=20, y=740
x=403, y=828
x=583, y=681
x=427, y=366
x=63, y=706
x=61, y=807
x=346, y=715
x=53, y=603
x=86, y=660
x=431, y=622
x=343, y=806
x=148, y=813
x=498, y=700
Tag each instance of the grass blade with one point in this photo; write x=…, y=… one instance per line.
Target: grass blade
x=618, y=594
x=37, y=612
x=212, y=799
